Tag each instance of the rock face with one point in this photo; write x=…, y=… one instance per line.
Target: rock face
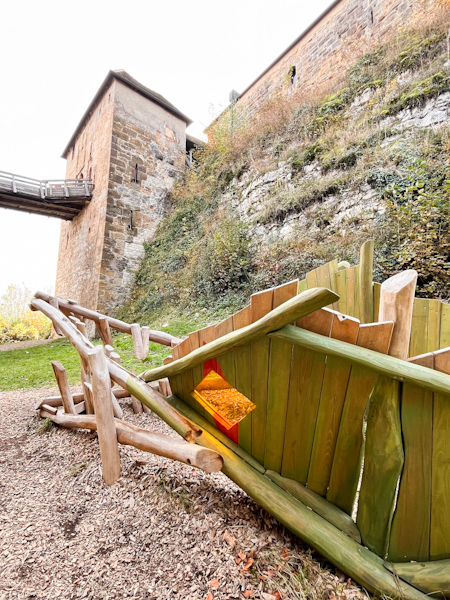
x=254, y=194
x=133, y=148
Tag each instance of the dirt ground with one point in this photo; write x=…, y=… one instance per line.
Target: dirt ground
x=164, y=530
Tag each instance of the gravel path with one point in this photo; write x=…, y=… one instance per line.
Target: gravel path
x=164, y=530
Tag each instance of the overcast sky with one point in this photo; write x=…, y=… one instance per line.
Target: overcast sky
x=55, y=55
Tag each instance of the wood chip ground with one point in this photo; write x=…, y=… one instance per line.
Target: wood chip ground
x=164, y=530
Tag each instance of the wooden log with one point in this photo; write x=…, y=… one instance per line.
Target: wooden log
x=358, y=562
x=137, y=406
x=379, y=363
x=396, y=304
x=54, y=302
x=146, y=409
x=137, y=341
x=104, y=416
x=104, y=331
x=50, y=409
x=156, y=443
x=81, y=344
x=365, y=282
x=118, y=412
x=145, y=334
x=289, y=311
x=88, y=399
x=77, y=398
x=159, y=337
x=80, y=407
x=432, y=578
x=322, y=507
x=154, y=400
x=63, y=385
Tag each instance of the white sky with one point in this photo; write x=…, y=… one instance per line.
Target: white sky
x=55, y=55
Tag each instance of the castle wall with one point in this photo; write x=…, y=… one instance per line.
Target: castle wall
x=146, y=135
x=81, y=240
x=331, y=46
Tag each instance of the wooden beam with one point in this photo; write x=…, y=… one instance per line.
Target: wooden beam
x=156, y=443
x=289, y=311
x=63, y=385
x=104, y=416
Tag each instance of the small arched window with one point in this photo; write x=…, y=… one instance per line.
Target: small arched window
x=136, y=174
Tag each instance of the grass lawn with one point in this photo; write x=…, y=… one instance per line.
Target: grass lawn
x=31, y=368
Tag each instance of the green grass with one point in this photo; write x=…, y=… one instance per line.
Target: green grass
x=31, y=368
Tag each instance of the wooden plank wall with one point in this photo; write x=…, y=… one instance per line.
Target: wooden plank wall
x=421, y=527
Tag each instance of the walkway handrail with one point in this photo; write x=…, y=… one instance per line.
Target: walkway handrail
x=46, y=188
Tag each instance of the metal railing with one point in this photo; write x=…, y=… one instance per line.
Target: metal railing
x=45, y=189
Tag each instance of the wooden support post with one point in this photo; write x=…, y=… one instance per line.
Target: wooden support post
x=107, y=436
x=396, y=304
x=118, y=413
x=145, y=335
x=104, y=331
x=61, y=380
x=366, y=282
x=88, y=400
x=137, y=406
x=137, y=340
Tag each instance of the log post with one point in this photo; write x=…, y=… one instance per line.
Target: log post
x=107, y=436
x=145, y=335
x=61, y=380
x=137, y=406
x=137, y=340
x=54, y=302
x=104, y=330
x=396, y=304
x=118, y=413
x=366, y=283
x=88, y=400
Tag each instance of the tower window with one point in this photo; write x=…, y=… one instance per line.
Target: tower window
x=371, y=16
x=292, y=75
x=136, y=174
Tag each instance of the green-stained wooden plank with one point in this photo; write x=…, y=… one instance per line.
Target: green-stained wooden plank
x=351, y=282
x=349, y=446
x=376, y=300
x=279, y=375
x=440, y=488
x=348, y=454
x=410, y=533
x=305, y=387
x=334, y=388
x=243, y=367
x=304, y=394
x=357, y=291
x=365, y=282
x=445, y=326
x=434, y=325
x=419, y=328
x=383, y=463
x=260, y=305
x=440, y=482
x=311, y=279
x=302, y=286
x=227, y=361
x=341, y=289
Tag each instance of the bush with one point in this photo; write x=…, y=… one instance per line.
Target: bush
x=17, y=321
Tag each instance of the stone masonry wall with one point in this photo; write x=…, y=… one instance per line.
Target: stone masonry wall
x=81, y=240
x=332, y=45
x=146, y=135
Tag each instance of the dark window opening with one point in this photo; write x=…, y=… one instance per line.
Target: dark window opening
x=136, y=174
x=371, y=16
x=130, y=226
x=292, y=75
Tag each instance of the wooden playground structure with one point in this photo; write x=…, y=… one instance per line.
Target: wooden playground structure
x=327, y=400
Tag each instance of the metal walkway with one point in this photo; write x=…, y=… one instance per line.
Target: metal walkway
x=63, y=199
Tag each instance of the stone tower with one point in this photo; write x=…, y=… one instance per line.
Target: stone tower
x=132, y=143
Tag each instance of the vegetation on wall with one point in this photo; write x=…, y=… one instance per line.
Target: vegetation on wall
x=332, y=142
